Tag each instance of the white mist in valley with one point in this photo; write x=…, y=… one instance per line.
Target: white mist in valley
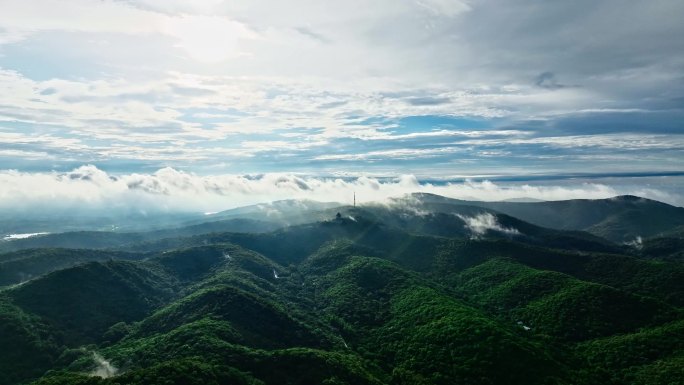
x=11, y=237
x=104, y=368
x=481, y=223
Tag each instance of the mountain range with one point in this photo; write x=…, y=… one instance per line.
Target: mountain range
x=421, y=289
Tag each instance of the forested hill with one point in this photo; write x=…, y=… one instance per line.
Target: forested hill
x=620, y=219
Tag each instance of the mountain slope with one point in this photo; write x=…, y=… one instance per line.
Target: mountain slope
x=657, y=279
x=557, y=304
x=422, y=334
x=649, y=356
x=113, y=239
x=620, y=219
x=20, y=266
x=29, y=347
x=84, y=301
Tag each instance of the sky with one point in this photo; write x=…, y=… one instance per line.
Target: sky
x=433, y=89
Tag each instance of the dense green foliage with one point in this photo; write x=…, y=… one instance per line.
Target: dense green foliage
x=28, y=345
x=558, y=305
x=649, y=356
x=659, y=279
x=420, y=334
x=667, y=248
x=84, y=301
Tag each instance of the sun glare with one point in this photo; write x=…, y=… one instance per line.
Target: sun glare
x=207, y=39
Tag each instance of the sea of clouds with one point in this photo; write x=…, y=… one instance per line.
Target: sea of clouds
x=88, y=188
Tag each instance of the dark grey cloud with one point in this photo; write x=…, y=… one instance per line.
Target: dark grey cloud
x=625, y=51
x=338, y=103
x=548, y=80
x=427, y=101
x=308, y=32
x=606, y=122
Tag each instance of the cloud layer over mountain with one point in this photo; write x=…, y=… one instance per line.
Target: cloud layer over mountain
x=88, y=189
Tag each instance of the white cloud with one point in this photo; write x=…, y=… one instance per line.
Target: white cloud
x=399, y=153
x=481, y=223
x=179, y=6
x=637, y=243
x=204, y=38
x=87, y=189
x=31, y=155
x=445, y=7
x=77, y=15
x=208, y=39
x=612, y=141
